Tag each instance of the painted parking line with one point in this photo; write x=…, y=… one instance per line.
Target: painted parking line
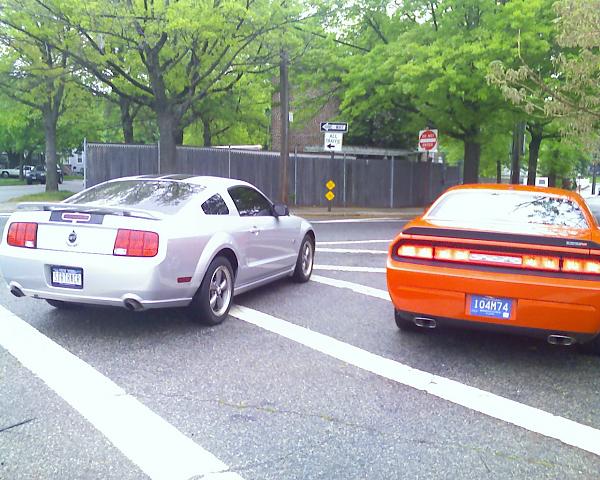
x=344, y=268
x=352, y=242
x=530, y=418
x=351, y=250
x=155, y=446
x=355, y=287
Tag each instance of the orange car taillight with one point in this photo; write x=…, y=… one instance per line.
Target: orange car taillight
x=576, y=265
x=136, y=243
x=22, y=234
x=415, y=251
x=515, y=260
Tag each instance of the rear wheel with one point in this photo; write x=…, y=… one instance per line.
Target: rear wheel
x=304, y=262
x=212, y=301
x=4, y=174
x=403, y=321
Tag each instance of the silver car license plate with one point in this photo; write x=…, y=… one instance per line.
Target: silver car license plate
x=67, y=277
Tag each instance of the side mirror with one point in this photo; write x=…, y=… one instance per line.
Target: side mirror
x=280, y=210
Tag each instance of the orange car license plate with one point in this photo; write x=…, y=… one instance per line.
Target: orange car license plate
x=491, y=307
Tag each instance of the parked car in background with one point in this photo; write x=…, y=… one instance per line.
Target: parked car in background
x=501, y=257
x=155, y=241
x=38, y=175
x=15, y=172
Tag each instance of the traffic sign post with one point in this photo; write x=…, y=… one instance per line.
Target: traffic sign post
x=428, y=140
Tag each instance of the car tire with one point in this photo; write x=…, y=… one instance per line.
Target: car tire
x=404, y=322
x=4, y=174
x=212, y=301
x=304, y=262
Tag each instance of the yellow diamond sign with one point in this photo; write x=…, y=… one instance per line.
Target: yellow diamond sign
x=330, y=195
x=330, y=185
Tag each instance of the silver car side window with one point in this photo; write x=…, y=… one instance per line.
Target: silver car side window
x=215, y=205
x=250, y=202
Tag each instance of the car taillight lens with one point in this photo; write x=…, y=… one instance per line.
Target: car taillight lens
x=415, y=251
x=529, y=261
x=136, y=243
x=22, y=234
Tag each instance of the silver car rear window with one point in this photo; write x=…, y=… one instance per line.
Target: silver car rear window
x=513, y=207
x=155, y=195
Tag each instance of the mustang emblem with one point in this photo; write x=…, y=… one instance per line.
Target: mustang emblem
x=72, y=238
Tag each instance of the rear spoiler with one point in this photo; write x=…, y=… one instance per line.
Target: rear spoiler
x=82, y=207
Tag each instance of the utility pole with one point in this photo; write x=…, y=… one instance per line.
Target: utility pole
x=284, y=97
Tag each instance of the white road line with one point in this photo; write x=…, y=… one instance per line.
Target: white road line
x=149, y=441
x=355, y=287
x=351, y=242
x=343, y=268
x=495, y=406
x=351, y=250
x=362, y=220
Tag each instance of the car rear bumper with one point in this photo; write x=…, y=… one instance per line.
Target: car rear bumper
x=546, y=305
x=134, y=283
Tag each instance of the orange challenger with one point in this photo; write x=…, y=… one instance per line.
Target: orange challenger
x=505, y=257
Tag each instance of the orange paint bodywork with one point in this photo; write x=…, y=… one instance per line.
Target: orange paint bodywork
x=541, y=301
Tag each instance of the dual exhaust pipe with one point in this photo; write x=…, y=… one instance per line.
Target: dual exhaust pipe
x=562, y=340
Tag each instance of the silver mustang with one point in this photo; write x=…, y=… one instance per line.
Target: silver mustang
x=155, y=241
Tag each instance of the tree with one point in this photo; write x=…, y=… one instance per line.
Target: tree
x=168, y=55
x=569, y=89
x=34, y=72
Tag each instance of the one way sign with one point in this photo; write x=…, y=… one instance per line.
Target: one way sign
x=339, y=127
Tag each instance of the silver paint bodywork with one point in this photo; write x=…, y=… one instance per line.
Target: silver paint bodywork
x=265, y=249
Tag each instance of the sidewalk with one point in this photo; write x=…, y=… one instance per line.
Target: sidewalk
x=316, y=212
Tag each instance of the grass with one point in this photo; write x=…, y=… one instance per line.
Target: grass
x=43, y=197
x=7, y=182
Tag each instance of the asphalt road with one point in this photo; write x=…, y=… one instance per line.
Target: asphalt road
x=273, y=408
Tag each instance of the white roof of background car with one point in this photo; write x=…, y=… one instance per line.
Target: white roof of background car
x=205, y=180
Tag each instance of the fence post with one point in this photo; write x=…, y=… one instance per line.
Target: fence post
x=296, y=175
x=344, y=176
x=392, y=183
x=229, y=162
x=85, y=162
x=158, y=155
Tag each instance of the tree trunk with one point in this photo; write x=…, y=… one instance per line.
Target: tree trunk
x=178, y=135
x=126, y=119
x=534, y=151
x=552, y=179
x=472, y=154
x=206, y=133
x=498, y=171
x=50, y=152
x=167, y=151
x=517, y=151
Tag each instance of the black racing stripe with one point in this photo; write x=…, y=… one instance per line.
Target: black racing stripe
x=501, y=237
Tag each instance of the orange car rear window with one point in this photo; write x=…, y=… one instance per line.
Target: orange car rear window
x=514, y=207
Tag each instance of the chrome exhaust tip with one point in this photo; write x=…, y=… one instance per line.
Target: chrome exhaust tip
x=560, y=340
x=425, y=322
x=133, y=305
x=16, y=291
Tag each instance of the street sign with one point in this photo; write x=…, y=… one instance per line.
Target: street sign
x=340, y=127
x=330, y=185
x=333, y=141
x=330, y=195
x=428, y=140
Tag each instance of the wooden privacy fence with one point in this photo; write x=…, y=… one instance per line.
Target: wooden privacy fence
x=360, y=182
